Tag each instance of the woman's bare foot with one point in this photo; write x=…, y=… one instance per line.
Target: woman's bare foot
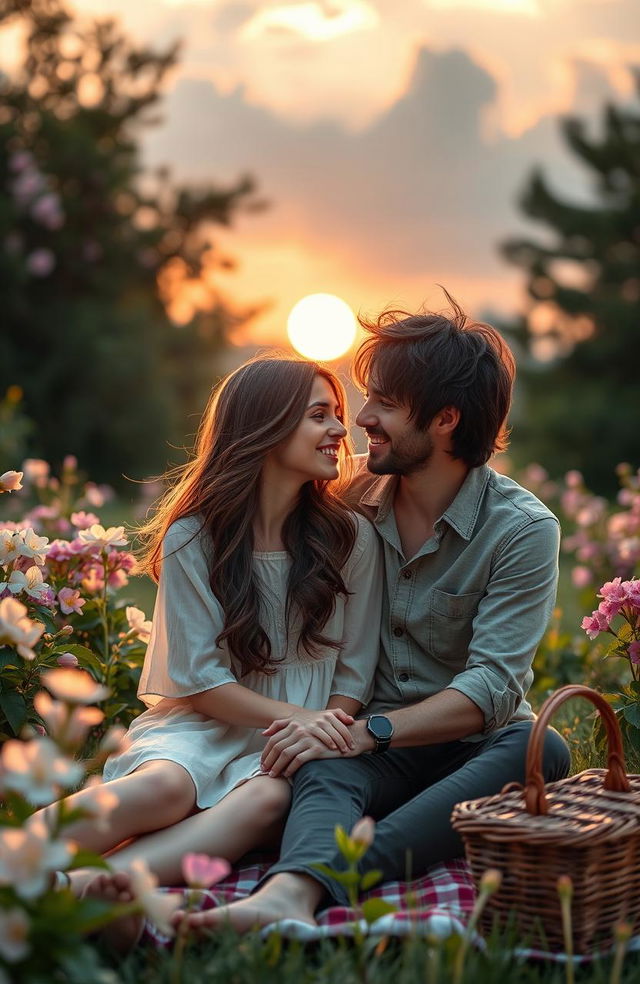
x=122, y=934
x=284, y=897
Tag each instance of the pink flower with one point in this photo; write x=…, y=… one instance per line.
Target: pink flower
x=201, y=871
x=70, y=601
x=594, y=624
x=41, y=262
x=83, y=520
x=47, y=211
x=632, y=588
x=613, y=591
x=573, y=479
x=634, y=652
x=609, y=609
x=581, y=577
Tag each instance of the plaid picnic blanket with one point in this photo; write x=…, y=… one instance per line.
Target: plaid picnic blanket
x=437, y=905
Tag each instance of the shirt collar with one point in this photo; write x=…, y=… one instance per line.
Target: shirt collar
x=461, y=515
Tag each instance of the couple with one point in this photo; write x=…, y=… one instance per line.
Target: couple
x=315, y=663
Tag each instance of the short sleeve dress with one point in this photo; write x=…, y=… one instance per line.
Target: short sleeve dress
x=182, y=659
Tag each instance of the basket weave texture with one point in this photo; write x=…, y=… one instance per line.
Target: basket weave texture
x=586, y=826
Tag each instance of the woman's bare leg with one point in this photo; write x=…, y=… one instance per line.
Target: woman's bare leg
x=245, y=819
x=156, y=795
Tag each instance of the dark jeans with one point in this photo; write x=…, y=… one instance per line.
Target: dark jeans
x=411, y=791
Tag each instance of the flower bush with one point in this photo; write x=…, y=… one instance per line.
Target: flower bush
x=61, y=572
x=44, y=929
x=619, y=615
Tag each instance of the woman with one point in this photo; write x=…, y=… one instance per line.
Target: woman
x=267, y=608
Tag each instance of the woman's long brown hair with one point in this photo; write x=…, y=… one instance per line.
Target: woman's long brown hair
x=248, y=414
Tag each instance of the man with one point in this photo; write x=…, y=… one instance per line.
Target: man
x=470, y=582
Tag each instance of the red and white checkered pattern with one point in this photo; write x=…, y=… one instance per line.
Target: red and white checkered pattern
x=436, y=905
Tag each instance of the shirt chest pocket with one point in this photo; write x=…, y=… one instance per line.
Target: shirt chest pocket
x=451, y=625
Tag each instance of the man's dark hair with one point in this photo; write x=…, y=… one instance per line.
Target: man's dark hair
x=430, y=361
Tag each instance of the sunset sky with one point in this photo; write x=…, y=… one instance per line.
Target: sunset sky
x=391, y=137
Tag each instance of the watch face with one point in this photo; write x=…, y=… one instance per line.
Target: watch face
x=380, y=726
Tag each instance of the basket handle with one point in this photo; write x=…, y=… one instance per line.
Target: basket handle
x=616, y=777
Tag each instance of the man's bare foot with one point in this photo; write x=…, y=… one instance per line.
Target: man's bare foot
x=122, y=934
x=284, y=897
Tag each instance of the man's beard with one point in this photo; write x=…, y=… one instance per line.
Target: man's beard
x=409, y=455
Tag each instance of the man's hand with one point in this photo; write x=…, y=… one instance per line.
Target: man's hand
x=304, y=736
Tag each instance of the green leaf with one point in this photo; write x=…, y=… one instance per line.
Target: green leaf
x=374, y=909
x=632, y=714
x=370, y=879
x=8, y=657
x=346, y=878
x=84, y=656
x=15, y=710
x=87, y=859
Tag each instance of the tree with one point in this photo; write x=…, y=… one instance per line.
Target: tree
x=95, y=256
x=580, y=408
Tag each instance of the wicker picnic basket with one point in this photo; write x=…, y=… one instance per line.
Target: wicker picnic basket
x=586, y=826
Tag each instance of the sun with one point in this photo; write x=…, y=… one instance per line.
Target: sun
x=321, y=326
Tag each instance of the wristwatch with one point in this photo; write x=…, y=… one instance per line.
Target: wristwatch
x=381, y=730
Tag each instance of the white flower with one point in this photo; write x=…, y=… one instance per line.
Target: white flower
x=18, y=630
x=69, y=727
x=103, y=802
x=9, y=546
x=115, y=742
x=37, y=770
x=36, y=587
x=158, y=906
x=97, y=536
x=74, y=686
x=137, y=624
x=17, y=582
x=14, y=931
x=32, y=545
x=10, y=481
x=28, y=857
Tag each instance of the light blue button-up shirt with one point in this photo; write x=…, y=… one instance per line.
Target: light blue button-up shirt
x=468, y=611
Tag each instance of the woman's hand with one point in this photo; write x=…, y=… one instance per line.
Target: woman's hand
x=303, y=731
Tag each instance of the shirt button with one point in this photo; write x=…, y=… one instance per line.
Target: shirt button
x=407, y=575
x=398, y=631
x=403, y=677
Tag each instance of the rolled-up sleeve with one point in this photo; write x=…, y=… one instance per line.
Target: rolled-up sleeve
x=511, y=620
x=182, y=657
x=356, y=665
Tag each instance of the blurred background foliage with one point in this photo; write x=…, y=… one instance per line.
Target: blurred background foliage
x=113, y=325
x=94, y=253
x=579, y=407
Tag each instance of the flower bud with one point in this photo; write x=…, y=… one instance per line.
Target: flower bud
x=622, y=932
x=364, y=831
x=491, y=881
x=66, y=630
x=67, y=660
x=564, y=886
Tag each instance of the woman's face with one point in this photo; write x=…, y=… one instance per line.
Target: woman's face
x=312, y=450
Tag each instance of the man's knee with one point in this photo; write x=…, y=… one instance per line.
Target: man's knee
x=326, y=773
x=556, y=757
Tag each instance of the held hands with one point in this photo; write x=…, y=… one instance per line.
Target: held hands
x=304, y=736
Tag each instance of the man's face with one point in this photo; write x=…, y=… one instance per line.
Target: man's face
x=396, y=445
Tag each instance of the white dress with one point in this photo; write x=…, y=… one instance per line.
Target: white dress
x=182, y=659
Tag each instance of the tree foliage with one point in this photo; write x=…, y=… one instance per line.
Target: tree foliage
x=95, y=255
x=580, y=408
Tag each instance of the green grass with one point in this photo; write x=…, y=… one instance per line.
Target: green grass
x=230, y=959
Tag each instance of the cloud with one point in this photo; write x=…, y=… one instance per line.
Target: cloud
x=421, y=190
